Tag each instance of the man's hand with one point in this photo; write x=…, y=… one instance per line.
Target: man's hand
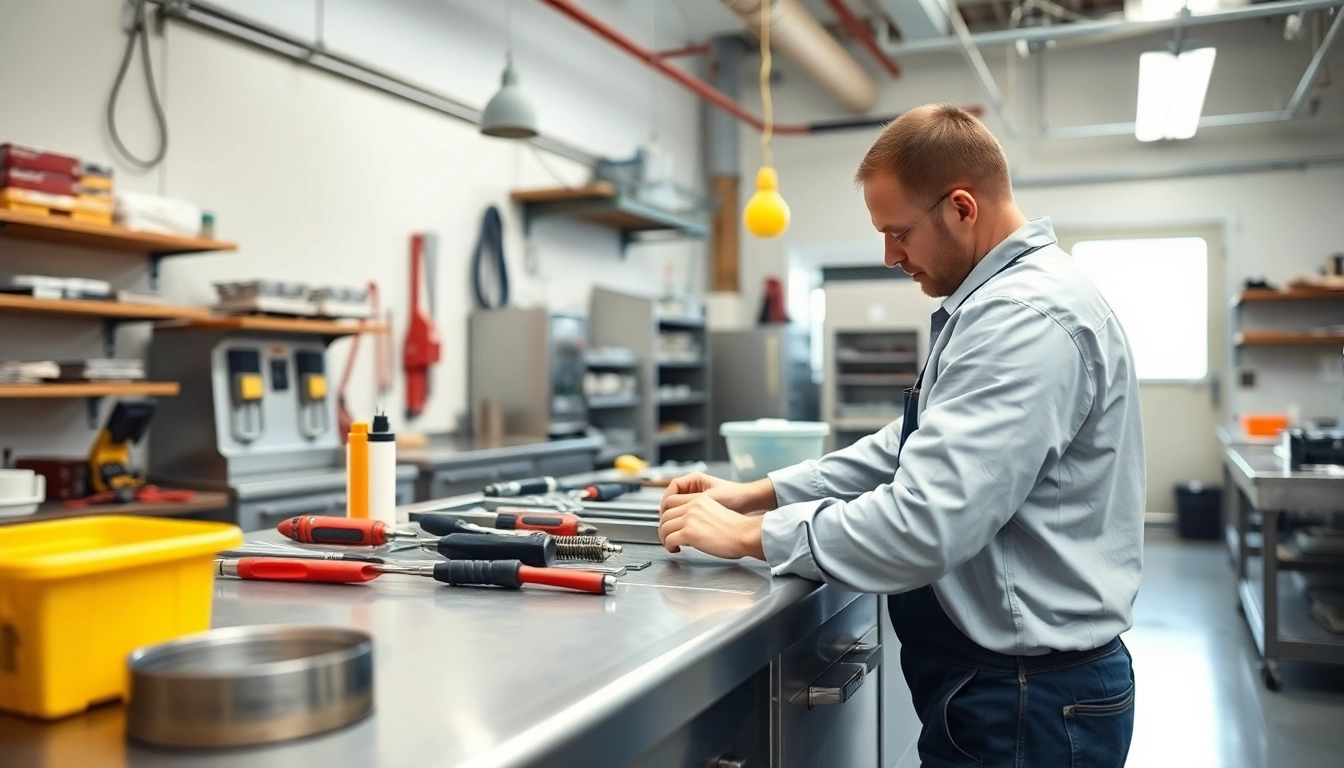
x=712, y=528
x=743, y=498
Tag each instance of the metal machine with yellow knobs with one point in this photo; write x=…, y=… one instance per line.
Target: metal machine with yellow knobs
x=256, y=417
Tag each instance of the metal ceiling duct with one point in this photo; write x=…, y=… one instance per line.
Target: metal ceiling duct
x=798, y=35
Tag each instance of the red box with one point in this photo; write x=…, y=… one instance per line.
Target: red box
x=16, y=156
x=40, y=181
x=66, y=478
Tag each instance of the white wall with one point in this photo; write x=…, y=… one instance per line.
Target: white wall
x=1279, y=224
x=324, y=180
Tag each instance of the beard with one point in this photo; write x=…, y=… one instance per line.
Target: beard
x=954, y=263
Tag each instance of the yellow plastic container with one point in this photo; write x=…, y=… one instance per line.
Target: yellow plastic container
x=77, y=596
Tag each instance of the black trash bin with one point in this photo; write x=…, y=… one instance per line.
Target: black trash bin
x=1199, y=510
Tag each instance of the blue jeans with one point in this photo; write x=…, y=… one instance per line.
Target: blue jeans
x=981, y=708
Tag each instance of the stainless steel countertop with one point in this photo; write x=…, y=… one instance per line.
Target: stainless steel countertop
x=492, y=678
x=1265, y=478
x=449, y=450
x=303, y=481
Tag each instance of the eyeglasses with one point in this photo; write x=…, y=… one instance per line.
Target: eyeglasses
x=900, y=238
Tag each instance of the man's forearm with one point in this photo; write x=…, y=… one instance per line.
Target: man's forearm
x=762, y=493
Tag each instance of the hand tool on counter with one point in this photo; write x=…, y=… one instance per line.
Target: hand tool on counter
x=510, y=574
x=537, y=551
x=529, y=487
x=604, y=491
x=585, y=547
x=294, y=553
x=554, y=523
x=319, y=529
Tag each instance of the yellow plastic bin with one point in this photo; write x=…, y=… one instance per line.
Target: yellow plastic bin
x=77, y=596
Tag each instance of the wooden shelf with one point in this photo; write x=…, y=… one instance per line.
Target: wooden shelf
x=89, y=389
x=268, y=324
x=57, y=229
x=110, y=310
x=1258, y=295
x=602, y=203
x=204, y=501
x=1289, y=338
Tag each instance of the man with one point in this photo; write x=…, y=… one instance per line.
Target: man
x=1004, y=513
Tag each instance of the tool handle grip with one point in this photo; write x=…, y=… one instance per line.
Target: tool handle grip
x=554, y=524
x=530, y=550
x=439, y=524
x=605, y=491
x=317, y=529
x=582, y=581
x=495, y=573
x=322, y=571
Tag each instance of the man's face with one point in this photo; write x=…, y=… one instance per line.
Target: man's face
x=917, y=239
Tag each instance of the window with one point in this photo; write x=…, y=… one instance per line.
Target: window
x=1159, y=288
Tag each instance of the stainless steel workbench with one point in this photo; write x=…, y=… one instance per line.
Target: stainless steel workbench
x=678, y=666
x=1259, y=485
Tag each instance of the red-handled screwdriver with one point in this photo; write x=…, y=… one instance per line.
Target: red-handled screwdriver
x=554, y=523
x=510, y=574
x=317, y=529
x=604, y=491
x=283, y=569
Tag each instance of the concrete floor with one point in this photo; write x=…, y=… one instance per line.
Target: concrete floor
x=1200, y=701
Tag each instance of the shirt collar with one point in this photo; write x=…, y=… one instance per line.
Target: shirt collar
x=1034, y=234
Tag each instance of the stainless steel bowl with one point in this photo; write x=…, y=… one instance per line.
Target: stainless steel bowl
x=249, y=685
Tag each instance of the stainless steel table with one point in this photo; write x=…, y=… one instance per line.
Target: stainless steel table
x=679, y=666
x=1259, y=483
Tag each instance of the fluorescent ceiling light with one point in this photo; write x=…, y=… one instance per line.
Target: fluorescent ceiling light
x=1171, y=93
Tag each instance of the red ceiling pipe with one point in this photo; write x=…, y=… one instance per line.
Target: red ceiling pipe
x=651, y=58
x=864, y=36
x=690, y=50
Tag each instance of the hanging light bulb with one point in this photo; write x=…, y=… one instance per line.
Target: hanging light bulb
x=766, y=214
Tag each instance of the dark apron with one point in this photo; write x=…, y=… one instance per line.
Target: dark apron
x=918, y=619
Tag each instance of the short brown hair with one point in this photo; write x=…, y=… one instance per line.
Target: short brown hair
x=935, y=148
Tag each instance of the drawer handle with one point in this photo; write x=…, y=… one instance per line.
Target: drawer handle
x=729, y=762
x=839, y=683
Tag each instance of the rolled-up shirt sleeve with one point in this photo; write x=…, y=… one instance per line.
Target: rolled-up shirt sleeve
x=1008, y=399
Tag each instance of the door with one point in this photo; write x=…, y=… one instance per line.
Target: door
x=1167, y=286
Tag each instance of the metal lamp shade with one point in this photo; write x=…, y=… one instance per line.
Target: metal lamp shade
x=509, y=114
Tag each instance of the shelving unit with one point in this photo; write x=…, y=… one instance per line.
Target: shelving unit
x=876, y=335
x=616, y=414
x=89, y=389
x=56, y=230
x=62, y=231
x=267, y=324
x=1289, y=338
x=603, y=204
x=1255, y=295
x=634, y=322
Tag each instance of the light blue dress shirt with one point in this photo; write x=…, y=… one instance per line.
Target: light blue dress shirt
x=1020, y=497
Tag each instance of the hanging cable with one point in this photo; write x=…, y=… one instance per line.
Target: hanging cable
x=490, y=243
x=767, y=105
x=138, y=30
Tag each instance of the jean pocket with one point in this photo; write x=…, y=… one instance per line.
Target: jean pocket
x=948, y=718
x=1100, y=730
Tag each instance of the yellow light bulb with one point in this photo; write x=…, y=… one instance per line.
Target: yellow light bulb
x=766, y=214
